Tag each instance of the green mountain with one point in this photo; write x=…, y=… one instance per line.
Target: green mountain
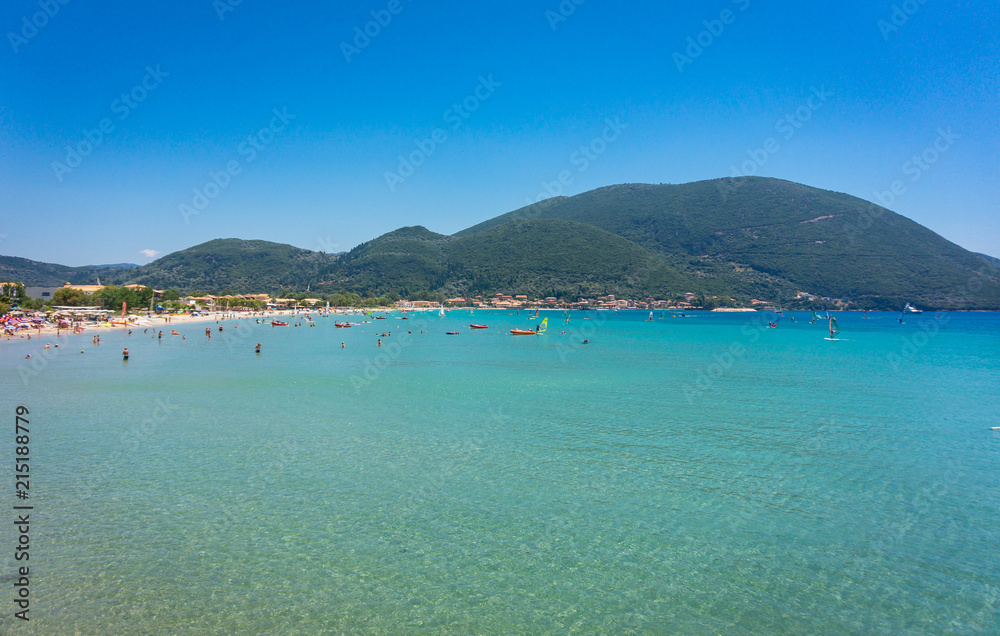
x=730, y=231
x=406, y=261
x=38, y=274
x=993, y=261
x=546, y=257
x=539, y=257
x=233, y=264
x=748, y=237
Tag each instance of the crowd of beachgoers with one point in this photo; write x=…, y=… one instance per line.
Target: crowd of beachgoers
x=27, y=327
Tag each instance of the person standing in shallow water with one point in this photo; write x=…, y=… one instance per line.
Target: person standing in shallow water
x=125, y=354
x=257, y=348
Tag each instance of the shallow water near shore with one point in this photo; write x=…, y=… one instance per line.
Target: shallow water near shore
x=697, y=474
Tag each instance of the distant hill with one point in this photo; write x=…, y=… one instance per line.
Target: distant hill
x=233, y=264
x=406, y=261
x=38, y=274
x=747, y=237
x=542, y=257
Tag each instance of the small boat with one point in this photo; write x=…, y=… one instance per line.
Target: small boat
x=910, y=309
x=278, y=323
x=342, y=324
x=479, y=327
x=379, y=317
x=441, y=311
x=522, y=332
x=451, y=333
x=175, y=333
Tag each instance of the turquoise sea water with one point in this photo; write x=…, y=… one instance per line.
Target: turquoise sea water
x=698, y=475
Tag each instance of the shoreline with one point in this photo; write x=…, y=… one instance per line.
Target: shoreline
x=159, y=322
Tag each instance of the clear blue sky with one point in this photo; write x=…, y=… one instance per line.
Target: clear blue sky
x=318, y=181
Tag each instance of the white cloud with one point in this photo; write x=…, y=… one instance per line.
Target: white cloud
x=149, y=253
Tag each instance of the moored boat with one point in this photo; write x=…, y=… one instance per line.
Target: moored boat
x=478, y=326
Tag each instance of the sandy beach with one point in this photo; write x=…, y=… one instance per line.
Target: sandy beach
x=161, y=322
